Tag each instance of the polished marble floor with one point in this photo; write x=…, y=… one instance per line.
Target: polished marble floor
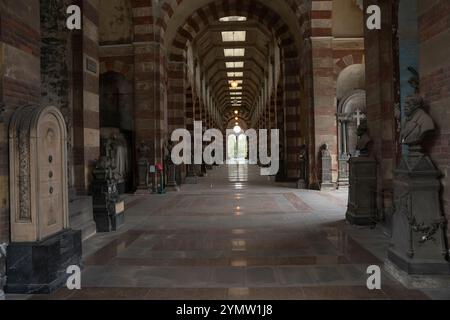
x=236, y=235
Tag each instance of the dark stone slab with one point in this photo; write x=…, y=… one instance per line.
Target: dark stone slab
x=40, y=267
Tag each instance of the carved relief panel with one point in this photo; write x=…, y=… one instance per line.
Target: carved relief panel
x=38, y=174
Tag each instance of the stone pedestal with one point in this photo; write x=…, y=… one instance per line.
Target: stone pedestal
x=172, y=184
x=42, y=244
x=343, y=178
x=40, y=267
x=326, y=174
x=143, y=177
x=419, y=244
x=109, y=209
x=362, y=191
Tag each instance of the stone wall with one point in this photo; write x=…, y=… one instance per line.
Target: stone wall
x=19, y=79
x=434, y=40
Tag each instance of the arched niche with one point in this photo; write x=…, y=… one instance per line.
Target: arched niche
x=351, y=78
x=116, y=101
x=116, y=125
x=351, y=112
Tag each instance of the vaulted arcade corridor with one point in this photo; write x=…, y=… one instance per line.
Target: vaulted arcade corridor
x=95, y=117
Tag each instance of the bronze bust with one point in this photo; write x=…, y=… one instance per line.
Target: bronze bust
x=364, y=140
x=418, y=122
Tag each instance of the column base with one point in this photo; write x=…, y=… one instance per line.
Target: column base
x=40, y=267
x=419, y=266
x=301, y=184
x=359, y=219
x=328, y=186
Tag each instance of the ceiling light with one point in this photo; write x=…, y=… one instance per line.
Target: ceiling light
x=236, y=111
x=234, y=84
x=235, y=74
x=233, y=19
x=238, y=52
x=234, y=36
x=234, y=65
x=237, y=118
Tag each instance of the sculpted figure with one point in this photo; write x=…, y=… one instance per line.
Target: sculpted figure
x=364, y=140
x=143, y=151
x=326, y=151
x=418, y=122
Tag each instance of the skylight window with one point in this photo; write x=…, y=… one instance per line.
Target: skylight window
x=235, y=65
x=236, y=81
x=235, y=93
x=237, y=88
x=234, y=52
x=235, y=74
x=233, y=19
x=234, y=36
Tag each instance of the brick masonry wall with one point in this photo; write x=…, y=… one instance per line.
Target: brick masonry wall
x=434, y=39
x=19, y=79
x=380, y=88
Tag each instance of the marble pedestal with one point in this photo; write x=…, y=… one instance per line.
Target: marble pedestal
x=326, y=174
x=343, y=179
x=143, y=178
x=419, y=244
x=110, y=217
x=362, y=187
x=40, y=267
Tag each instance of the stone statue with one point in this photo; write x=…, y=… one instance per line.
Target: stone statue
x=326, y=151
x=168, y=152
x=364, y=140
x=303, y=167
x=417, y=124
x=143, y=151
x=117, y=151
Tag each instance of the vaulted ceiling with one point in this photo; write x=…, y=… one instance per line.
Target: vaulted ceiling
x=234, y=56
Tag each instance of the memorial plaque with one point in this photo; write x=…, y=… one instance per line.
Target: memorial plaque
x=38, y=167
x=42, y=245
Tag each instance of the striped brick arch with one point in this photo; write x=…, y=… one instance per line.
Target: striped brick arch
x=253, y=10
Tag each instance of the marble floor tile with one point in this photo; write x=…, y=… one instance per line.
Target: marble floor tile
x=236, y=235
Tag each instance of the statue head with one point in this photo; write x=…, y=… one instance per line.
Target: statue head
x=412, y=104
